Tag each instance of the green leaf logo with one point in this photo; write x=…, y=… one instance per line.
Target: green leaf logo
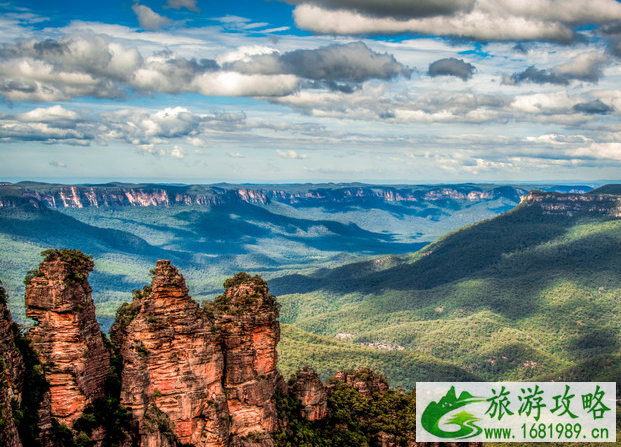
x=435, y=411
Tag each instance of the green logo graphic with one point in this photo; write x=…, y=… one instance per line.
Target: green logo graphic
x=435, y=411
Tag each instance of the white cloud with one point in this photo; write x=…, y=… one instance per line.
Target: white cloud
x=585, y=67
x=52, y=114
x=244, y=54
x=606, y=151
x=235, y=155
x=149, y=19
x=48, y=125
x=177, y=152
x=178, y=4
x=476, y=24
x=236, y=84
x=485, y=20
x=291, y=155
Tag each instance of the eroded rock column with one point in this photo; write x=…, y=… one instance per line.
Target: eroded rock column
x=247, y=316
x=173, y=365
x=67, y=338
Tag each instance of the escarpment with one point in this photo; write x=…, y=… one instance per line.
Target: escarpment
x=175, y=373
x=67, y=338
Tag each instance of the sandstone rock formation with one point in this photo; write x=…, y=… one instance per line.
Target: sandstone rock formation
x=67, y=338
x=247, y=316
x=173, y=365
x=310, y=391
x=202, y=376
x=11, y=375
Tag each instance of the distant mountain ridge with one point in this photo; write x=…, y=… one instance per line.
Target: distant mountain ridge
x=142, y=195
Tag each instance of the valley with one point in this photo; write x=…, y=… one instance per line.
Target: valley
x=479, y=281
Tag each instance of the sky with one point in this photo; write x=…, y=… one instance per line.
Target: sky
x=296, y=91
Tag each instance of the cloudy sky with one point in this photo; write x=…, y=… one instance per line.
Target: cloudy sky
x=385, y=91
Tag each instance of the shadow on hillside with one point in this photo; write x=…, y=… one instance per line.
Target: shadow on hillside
x=509, y=247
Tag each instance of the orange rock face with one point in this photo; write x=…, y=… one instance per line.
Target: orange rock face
x=247, y=314
x=311, y=393
x=67, y=338
x=207, y=375
x=173, y=365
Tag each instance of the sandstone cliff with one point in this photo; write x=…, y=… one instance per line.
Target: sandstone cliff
x=201, y=376
x=247, y=317
x=67, y=338
x=575, y=204
x=143, y=195
x=173, y=365
x=207, y=375
x=310, y=391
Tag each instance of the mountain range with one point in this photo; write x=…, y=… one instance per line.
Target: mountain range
x=214, y=231
x=521, y=286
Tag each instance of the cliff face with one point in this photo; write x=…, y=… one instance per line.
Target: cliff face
x=173, y=364
x=202, y=376
x=247, y=315
x=11, y=375
x=575, y=204
x=363, y=380
x=67, y=338
x=114, y=195
x=207, y=374
x=310, y=391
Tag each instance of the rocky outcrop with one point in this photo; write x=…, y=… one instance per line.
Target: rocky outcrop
x=173, y=365
x=11, y=375
x=207, y=374
x=364, y=380
x=67, y=338
x=308, y=388
x=190, y=375
x=574, y=204
x=247, y=317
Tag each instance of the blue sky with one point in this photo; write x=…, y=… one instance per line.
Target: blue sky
x=386, y=91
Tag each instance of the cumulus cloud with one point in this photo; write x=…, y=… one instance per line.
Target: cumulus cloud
x=291, y=155
x=437, y=106
x=532, y=74
x=77, y=65
x=235, y=155
x=177, y=152
x=584, y=67
x=137, y=126
x=593, y=107
x=351, y=63
x=553, y=20
x=597, y=150
x=451, y=67
x=401, y=9
x=89, y=64
x=57, y=164
x=48, y=125
x=149, y=19
x=190, y=5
